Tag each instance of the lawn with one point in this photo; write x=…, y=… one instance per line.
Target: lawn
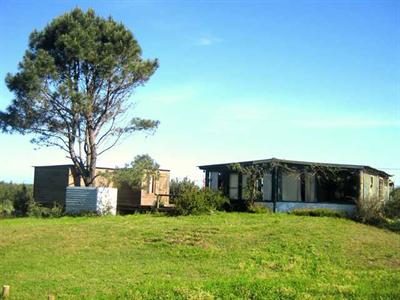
x=226, y=255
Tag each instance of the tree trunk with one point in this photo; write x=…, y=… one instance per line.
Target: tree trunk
x=91, y=158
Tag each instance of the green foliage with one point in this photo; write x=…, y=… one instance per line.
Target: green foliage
x=84, y=213
x=14, y=198
x=391, y=208
x=73, y=85
x=369, y=211
x=22, y=199
x=254, y=173
x=217, y=256
x=36, y=210
x=177, y=187
x=259, y=209
x=318, y=212
x=391, y=224
x=195, y=201
x=134, y=174
x=6, y=208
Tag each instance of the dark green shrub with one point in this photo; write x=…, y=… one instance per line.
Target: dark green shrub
x=194, y=201
x=393, y=225
x=38, y=211
x=318, y=212
x=14, y=198
x=22, y=199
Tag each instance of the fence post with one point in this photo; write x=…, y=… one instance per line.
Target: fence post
x=6, y=291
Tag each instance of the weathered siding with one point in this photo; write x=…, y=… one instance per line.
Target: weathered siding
x=50, y=183
x=128, y=199
x=373, y=187
x=100, y=181
x=162, y=186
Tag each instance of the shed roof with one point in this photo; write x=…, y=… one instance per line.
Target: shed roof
x=294, y=162
x=70, y=165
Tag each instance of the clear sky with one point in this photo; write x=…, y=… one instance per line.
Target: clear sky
x=241, y=80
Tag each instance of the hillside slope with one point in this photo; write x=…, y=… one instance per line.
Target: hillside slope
x=227, y=255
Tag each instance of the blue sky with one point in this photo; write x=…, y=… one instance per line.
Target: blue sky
x=241, y=80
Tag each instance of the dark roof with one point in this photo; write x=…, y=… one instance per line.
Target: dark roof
x=70, y=165
x=294, y=162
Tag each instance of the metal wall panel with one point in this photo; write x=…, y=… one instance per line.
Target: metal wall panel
x=81, y=199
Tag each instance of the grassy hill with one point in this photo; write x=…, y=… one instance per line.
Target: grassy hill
x=227, y=255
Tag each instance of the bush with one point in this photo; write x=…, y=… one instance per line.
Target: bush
x=38, y=211
x=6, y=208
x=22, y=198
x=391, y=208
x=177, y=187
x=14, y=198
x=194, y=201
x=393, y=225
x=369, y=211
x=318, y=212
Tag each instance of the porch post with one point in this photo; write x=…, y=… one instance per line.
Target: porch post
x=274, y=187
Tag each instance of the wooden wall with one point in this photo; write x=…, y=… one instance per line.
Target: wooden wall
x=160, y=187
x=50, y=183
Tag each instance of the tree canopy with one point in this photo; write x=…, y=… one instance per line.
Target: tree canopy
x=73, y=86
x=140, y=170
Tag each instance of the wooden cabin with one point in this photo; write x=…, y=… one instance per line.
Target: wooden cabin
x=50, y=183
x=288, y=184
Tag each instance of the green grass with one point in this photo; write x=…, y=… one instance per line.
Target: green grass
x=226, y=255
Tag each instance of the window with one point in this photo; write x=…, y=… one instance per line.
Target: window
x=213, y=181
x=381, y=195
x=309, y=188
x=267, y=187
x=371, y=182
x=233, y=186
x=291, y=187
x=150, y=187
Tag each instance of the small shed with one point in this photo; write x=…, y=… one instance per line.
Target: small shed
x=50, y=183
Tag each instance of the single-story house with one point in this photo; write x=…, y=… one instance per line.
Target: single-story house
x=288, y=184
x=50, y=183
